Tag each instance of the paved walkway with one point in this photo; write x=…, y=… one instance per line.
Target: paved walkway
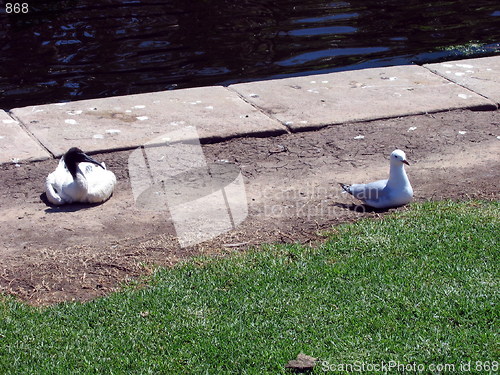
x=249, y=109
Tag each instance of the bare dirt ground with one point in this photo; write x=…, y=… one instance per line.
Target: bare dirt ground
x=78, y=252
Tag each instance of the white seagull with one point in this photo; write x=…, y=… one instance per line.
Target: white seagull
x=394, y=192
x=79, y=178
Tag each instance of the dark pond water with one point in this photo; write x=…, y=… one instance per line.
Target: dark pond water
x=69, y=50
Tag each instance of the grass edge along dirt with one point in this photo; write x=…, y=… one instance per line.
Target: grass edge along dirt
x=419, y=286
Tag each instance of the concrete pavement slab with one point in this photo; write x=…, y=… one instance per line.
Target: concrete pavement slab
x=480, y=75
x=16, y=144
x=319, y=100
x=133, y=120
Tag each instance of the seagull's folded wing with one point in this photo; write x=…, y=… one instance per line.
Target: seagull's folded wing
x=370, y=191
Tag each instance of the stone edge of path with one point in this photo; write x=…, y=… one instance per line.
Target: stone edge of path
x=23, y=143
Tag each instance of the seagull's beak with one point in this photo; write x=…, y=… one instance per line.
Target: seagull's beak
x=406, y=162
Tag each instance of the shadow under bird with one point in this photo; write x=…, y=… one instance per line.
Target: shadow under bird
x=394, y=192
x=79, y=178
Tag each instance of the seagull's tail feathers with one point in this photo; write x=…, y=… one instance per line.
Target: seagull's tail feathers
x=345, y=187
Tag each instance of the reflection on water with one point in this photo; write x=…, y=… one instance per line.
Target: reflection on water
x=69, y=50
x=329, y=53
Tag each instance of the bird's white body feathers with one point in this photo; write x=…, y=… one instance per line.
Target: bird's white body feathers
x=396, y=191
x=93, y=184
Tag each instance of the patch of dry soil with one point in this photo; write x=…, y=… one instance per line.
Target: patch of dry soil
x=78, y=252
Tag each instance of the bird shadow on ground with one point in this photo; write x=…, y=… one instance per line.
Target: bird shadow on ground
x=360, y=208
x=73, y=207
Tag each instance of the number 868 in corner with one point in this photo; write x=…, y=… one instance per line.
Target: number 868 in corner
x=16, y=8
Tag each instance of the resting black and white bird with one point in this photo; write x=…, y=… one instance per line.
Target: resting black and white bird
x=79, y=178
x=394, y=192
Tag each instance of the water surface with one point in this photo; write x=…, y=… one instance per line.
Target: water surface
x=70, y=50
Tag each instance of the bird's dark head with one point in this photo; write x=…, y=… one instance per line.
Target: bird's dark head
x=75, y=156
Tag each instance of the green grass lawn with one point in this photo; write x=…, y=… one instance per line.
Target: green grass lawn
x=417, y=287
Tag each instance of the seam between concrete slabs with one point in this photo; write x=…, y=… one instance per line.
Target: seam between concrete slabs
x=16, y=144
x=31, y=135
x=260, y=109
x=435, y=72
